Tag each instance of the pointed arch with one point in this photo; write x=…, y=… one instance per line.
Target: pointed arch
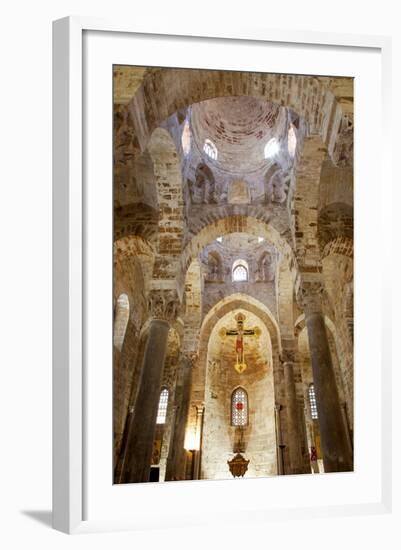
x=229, y=223
x=240, y=271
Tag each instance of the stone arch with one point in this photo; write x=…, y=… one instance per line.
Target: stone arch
x=206, y=371
x=336, y=184
x=323, y=201
x=219, y=310
x=170, y=203
x=300, y=325
x=335, y=220
x=134, y=182
x=342, y=246
x=225, y=225
x=310, y=98
x=136, y=219
x=133, y=248
x=242, y=301
x=132, y=269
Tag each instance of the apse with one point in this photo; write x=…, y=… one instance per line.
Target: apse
x=221, y=437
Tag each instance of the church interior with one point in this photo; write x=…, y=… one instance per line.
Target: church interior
x=232, y=274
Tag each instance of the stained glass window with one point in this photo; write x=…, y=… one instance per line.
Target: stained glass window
x=239, y=407
x=312, y=402
x=162, y=410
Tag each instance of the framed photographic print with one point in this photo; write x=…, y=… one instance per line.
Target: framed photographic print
x=217, y=315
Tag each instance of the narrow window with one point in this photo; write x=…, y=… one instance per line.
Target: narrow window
x=162, y=410
x=210, y=149
x=272, y=147
x=312, y=402
x=240, y=271
x=239, y=407
x=292, y=141
x=186, y=138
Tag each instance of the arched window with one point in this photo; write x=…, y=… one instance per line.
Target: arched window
x=239, y=407
x=292, y=141
x=162, y=410
x=240, y=271
x=272, y=147
x=121, y=317
x=186, y=138
x=210, y=149
x=312, y=402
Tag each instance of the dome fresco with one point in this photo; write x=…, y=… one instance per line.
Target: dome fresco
x=239, y=127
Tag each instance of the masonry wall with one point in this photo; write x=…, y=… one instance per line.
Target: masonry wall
x=219, y=436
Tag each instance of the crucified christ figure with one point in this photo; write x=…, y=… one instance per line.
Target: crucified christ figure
x=240, y=332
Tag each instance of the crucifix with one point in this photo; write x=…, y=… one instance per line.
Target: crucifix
x=240, y=332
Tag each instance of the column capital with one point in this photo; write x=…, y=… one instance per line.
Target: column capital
x=309, y=296
x=288, y=355
x=191, y=357
x=200, y=409
x=288, y=358
x=163, y=304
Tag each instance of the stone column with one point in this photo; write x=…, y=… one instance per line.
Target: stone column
x=198, y=437
x=279, y=440
x=337, y=270
x=162, y=305
x=336, y=453
x=293, y=422
x=176, y=455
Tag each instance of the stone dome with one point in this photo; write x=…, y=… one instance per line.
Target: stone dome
x=239, y=127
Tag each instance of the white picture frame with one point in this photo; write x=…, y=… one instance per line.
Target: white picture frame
x=71, y=420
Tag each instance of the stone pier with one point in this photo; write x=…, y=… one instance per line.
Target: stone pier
x=337, y=456
x=143, y=418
